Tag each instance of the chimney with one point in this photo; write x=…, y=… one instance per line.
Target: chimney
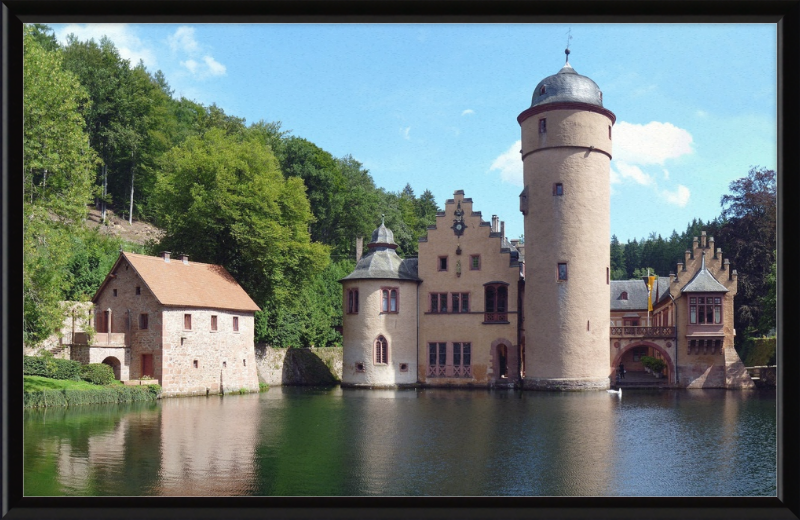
x=686, y=256
x=671, y=278
x=703, y=239
x=165, y=255
x=694, y=245
x=185, y=259
x=503, y=229
x=725, y=264
x=495, y=226
x=359, y=248
x=711, y=245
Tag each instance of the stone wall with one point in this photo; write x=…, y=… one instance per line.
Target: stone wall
x=298, y=366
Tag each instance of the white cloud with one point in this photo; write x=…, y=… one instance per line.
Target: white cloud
x=127, y=43
x=468, y=112
x=406, y=133
x=509, y=164
x=652, y=143
x=191, y=65
x=183, y=40
x=679, y=197
x=215, y=68
x=630, y=171
x=701, y=113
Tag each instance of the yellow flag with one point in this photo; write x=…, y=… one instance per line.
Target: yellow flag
x=650, y=282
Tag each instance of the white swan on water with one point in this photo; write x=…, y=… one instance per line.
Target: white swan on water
x=619, y=392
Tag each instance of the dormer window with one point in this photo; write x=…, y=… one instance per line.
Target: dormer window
x=601, y=97
x=623, y=296
x=542, y=90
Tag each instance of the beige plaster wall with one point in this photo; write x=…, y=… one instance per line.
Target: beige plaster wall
x=361, y=330
x=567, y=323
x=457, y=327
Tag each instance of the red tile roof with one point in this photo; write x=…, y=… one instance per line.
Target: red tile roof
x=194, y=284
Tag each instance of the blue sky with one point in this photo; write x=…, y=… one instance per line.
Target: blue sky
x=435, y=105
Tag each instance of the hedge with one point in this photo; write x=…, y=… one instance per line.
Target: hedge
x=97, y=373
x=51, y=367
x=99, y=395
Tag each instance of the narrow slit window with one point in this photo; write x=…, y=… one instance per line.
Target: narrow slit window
x=236, y=323
x=558, y=189
x=213, y=323
x=562, y=272
x=543, y=126
x=187, y=322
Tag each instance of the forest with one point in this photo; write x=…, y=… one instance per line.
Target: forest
x=279, y=212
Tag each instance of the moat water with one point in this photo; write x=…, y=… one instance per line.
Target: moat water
x=425, y=442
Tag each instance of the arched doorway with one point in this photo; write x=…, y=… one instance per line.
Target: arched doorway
x=114, y=364
x=502, y=361
x=630, y=356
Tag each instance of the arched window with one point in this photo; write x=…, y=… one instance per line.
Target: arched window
x=381, y=351
x=352, y=301
x=496, y=303
x=624, y=295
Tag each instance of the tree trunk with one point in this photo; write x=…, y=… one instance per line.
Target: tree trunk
x=130, y=212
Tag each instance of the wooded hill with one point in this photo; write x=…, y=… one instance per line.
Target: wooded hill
x=278, y=211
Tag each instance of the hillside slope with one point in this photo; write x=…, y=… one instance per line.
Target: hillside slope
x=138, y=232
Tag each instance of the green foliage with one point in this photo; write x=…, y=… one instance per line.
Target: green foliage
x=222, y=200
x=98, y=395
x=57, y=182
x=762, y=352
x=263, y=387
x=97, y=373
x=769, y=301
x=92, y=255
x=309, y=319
x=51, y=367
x=654, y=364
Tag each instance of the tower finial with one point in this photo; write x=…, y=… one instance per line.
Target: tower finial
x=383, y=217
x=569, y=37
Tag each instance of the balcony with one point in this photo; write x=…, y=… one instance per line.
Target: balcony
x=101, y=339
x=643, y=332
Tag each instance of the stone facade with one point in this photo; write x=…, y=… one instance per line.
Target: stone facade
x=453, y=266
x=299, y=366
x=189, y=349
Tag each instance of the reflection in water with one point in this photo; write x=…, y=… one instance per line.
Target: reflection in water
x=435, y=442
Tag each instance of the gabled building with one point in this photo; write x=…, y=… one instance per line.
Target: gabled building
x=450, y=317
x=188, y=325
x=690, y=325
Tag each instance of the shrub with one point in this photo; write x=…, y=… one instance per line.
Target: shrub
x=263, y=387
x=43, y=398
x=97, y=373
x=51, y=367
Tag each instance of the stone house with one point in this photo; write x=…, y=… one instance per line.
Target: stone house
x=186, y=324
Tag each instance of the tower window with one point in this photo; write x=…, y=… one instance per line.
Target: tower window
x=352, y=301
x=609, y=131
x=442, y=263
x=558, y=189
x=601, y=97
x=381, y=351
x=389, y=299
x=562, y=272
x=543, y=126
x=542, y=90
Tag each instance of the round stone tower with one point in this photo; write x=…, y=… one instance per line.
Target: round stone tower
x=379, y=322
x=566, y=151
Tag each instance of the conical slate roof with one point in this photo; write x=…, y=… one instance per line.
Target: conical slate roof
x=704, y=281
x=382, y=262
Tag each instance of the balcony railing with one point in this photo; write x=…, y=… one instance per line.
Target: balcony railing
x=105, y=339
x=642, y=332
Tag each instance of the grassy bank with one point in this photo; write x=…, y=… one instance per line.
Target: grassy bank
x=42, y=391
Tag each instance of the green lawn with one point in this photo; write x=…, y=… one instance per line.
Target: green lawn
x=36, y=383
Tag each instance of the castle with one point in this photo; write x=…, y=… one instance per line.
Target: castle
x=475, y=309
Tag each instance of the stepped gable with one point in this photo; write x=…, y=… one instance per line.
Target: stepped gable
x=176, y=283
